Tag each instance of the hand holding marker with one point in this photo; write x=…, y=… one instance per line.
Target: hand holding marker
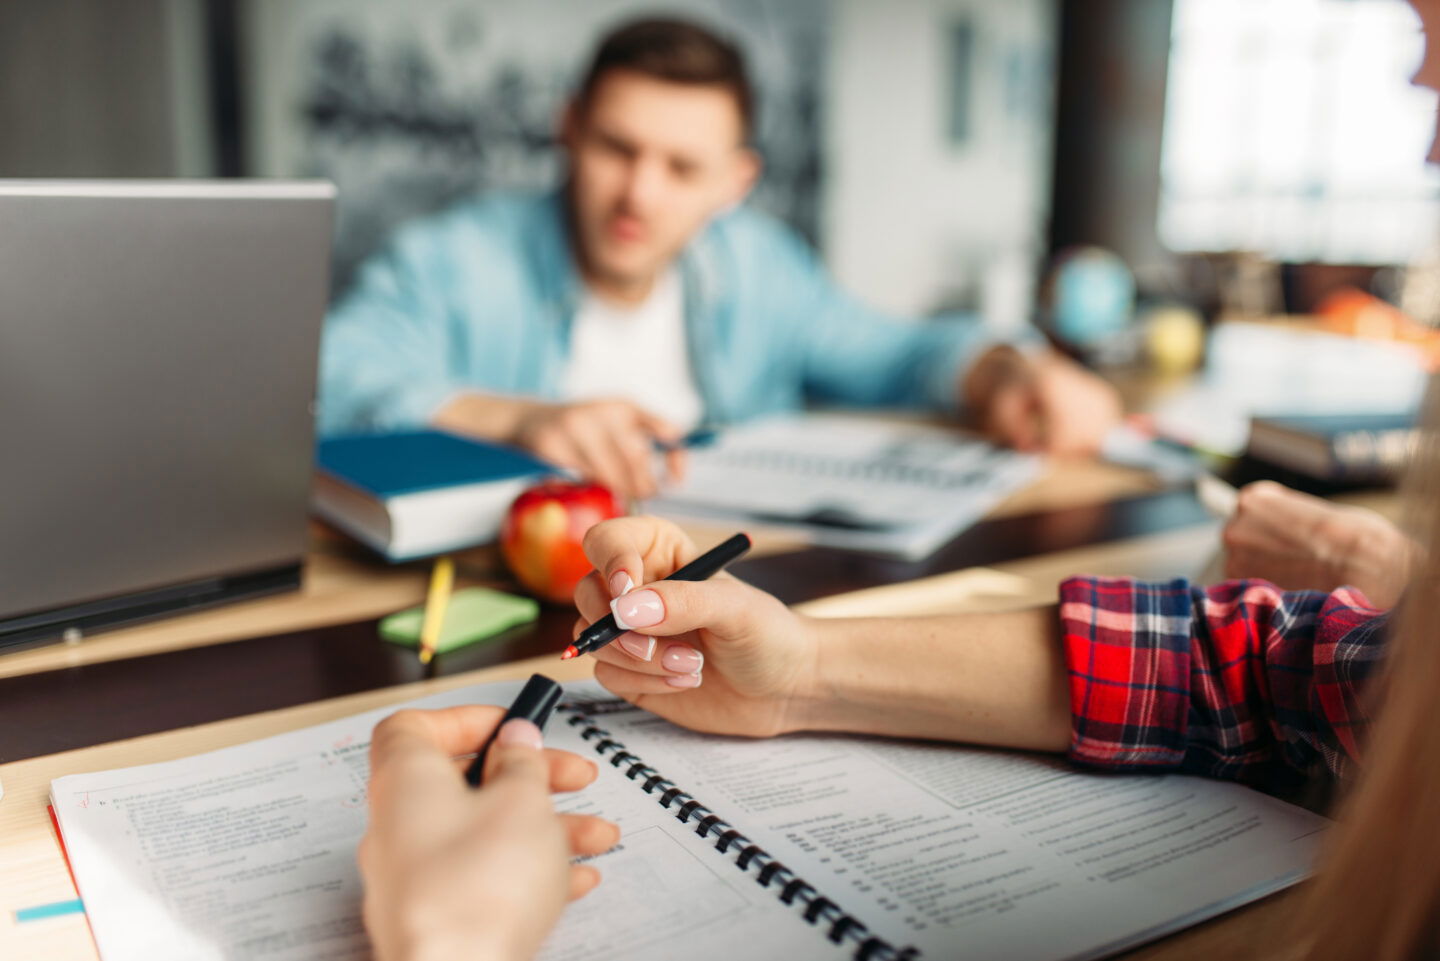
x=535, y=703
x=606, y=629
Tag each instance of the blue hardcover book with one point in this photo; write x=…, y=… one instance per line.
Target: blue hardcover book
x=419, y=493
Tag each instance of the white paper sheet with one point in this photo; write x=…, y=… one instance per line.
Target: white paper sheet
x=248, y=852
x=898, y=489
x=969, y=853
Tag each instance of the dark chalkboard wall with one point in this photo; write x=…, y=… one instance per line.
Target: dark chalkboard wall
x=410, y=105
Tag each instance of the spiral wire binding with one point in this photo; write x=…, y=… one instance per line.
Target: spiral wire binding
x=767, y=870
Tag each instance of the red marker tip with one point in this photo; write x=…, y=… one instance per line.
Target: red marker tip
x=570, y=652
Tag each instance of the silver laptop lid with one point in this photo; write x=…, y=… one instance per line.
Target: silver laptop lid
x=158, y=346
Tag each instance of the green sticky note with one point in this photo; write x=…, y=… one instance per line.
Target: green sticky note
x=473, y=614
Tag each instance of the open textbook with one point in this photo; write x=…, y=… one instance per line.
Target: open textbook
x=791, y=848
x=853, y=482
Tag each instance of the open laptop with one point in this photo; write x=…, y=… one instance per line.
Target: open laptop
x=158, y=349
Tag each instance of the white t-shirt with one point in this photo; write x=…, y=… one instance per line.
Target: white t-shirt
x=636, y=352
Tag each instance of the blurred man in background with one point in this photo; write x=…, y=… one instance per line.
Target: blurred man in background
x=641, y=300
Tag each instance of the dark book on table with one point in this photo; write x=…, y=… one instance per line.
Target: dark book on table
x=420, y=493
x=1336, y=447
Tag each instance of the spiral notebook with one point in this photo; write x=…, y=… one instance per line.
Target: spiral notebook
x=897, y=489
x=789, y=848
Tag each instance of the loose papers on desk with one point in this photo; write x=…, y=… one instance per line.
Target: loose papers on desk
x=859, y=483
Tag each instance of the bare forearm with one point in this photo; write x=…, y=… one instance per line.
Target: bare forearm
x=483, y=415
x=995, y=679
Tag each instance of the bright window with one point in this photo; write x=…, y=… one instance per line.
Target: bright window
x=1291, y=129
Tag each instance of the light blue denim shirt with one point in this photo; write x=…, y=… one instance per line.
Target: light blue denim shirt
x=481, y=298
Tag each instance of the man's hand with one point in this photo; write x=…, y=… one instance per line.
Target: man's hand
x=452, y=872
x=1046, y=403
x=610, y=441
x=1300, y=542
x=715, y=655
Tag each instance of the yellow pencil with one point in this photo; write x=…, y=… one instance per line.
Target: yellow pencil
x=441, y=579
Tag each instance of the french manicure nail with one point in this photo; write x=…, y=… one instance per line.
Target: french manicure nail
x=620, y=583
x=682, y=659
x=520, y=731
x=637, y=645
x=684, y=680
x=638, y=609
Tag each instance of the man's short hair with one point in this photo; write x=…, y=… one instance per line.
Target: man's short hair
x=677, y=51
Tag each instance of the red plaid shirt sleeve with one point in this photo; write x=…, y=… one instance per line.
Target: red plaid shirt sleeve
x=1239, y=680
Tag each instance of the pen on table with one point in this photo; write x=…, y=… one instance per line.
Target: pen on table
x=1219, y=499
x=1146, y=425
x=606, y=629
x=1216, y=496
x=442, y=578
x=535, y=703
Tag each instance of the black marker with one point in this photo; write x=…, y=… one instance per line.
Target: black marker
x=535, y=703
x=605, y=630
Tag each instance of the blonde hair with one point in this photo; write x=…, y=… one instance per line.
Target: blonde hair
x=1377, y=892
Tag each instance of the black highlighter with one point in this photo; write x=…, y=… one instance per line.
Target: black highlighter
x=535, y=704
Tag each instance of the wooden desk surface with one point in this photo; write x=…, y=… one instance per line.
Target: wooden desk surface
x=342, y=583
x=50, y=711
x=339, y=586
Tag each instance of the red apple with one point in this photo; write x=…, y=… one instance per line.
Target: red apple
x=544, y=529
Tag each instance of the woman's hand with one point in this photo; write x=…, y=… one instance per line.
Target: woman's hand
x=455, y=872
x=1299, y=542
x=715, y=655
